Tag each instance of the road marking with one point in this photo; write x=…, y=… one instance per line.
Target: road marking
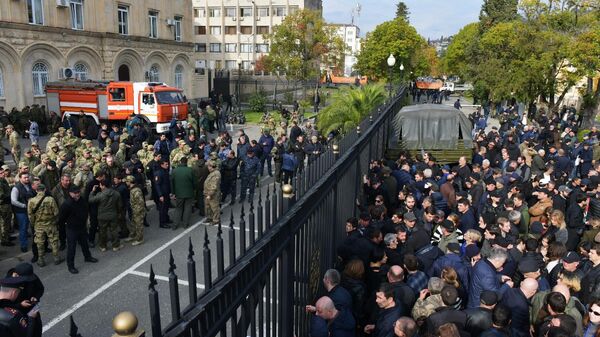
x=164, y=278
x=112, y=282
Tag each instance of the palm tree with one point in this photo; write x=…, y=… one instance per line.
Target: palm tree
x=349, y=106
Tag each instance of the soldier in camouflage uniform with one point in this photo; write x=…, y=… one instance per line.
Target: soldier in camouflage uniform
x=43, y=215
x=5, y=210
x=41, y=166
x=177, y=150
x=425, y=306
x=13, y=140
x=138, y=211
x=29, y=159
x=212, y=194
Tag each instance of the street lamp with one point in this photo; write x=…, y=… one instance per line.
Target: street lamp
x=401, y=70
x=391, y=61
x=239, y=62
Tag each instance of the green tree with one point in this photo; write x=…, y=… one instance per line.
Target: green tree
x=349, y=106
x=395, y=37
x=402, y=11
x=494, y=12
x=456, y=60
x=301, y=43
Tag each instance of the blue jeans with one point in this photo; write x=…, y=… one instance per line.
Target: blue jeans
x=23, y=221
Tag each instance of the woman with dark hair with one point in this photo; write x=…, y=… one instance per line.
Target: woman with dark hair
x=450, y=277
x=591, y=320
x=353, y=281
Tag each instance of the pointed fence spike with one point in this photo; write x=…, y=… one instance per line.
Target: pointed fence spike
x=243, y=213
x=172, y=265
x=260, y=196
x=152, y=278
x=220, y=229
x=231, y=221
x=190, y=249
x=206, y=241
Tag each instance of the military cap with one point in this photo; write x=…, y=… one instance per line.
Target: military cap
x=62, y=154
x=213, y=155
x=181, y=142
x=488, y=297
x=5, y=168
x=107, y=149
x=529, y=266
x=41, y=187
x=74, y=189
x=87, y=150
x=85, y=141
x=61, y=129
x=23, y=164
x=212, y=163
x=571, y=257
x=314, y=138
x=14, y=282
x=130, y=179
x=53, y=139
x=70, y=131
x=44, y=156
x=9, y=126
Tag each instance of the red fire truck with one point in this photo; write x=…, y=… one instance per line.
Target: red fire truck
x=113, y=102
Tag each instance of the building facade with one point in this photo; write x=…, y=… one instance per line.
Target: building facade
x=126, y=40
x=350, y=34
x=229, y=33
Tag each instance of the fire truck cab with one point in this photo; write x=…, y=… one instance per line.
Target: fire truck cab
x=155, y=103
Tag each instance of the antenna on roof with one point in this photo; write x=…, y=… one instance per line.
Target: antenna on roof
x=356, y=12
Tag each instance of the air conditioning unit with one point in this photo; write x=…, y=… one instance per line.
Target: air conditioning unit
x=170, y=22
x=65, y=73
x=62, y=3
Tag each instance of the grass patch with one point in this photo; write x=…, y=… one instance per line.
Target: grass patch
x=254, y=117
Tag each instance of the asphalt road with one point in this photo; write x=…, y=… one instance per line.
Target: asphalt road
x=119, y=281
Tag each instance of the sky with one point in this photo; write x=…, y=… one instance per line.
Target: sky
x=431, y=18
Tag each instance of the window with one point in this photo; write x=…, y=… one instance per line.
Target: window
x=199, y=12
x=246, y=65
x=153, y=24
x=214, y=12
x=245, y=11
x=154, y=73
x=177, y=27
x=117, y=94
x=262, y=48
x=1, y=84
x=200, y=30
x=179, y=76
x=230, y=30
x=262, y=29
x=215, y=30
x=39, y=73
x=215, y=47
x=293, y=9
x=169, y=97
x=216, y=64
x=230, y=47
x=76, y=14
x=231, y=64
x=123, y=19
x=35, y=12
x=80, y=71
x=200, y=47
x=279, y=11
x=263, y=12
x=230, y=12
x=246, y=30
x=245, y=47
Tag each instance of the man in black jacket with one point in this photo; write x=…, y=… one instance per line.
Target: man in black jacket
x=73, y=214
x=447, y=314
x=480, y=319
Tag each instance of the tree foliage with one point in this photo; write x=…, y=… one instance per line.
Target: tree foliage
x=349, y=106
x=456, y=59
x=494, y=12
x=395, y=37
x=301, y=43
x=402, y=11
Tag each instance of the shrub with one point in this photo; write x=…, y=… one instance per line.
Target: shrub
x=258, y=101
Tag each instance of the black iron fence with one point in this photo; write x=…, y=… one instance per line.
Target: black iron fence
x=278, y=251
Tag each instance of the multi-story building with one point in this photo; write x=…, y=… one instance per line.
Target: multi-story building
x=128, y=40
x=229, y=33
x=350, y=35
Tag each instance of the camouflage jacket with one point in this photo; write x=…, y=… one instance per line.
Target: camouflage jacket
x=424, y=308
x=46, y=213
x=212, y=184
x=137, y=201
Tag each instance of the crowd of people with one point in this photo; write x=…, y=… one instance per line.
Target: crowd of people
x=505, y=243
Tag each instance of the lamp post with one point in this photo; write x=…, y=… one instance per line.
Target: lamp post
x=239, y=62
x=391, y=61
x=401, y=71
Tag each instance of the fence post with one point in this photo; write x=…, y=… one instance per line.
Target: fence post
x=191, y=264
x=154, y=307
x=286, y=318
x=207, y=262
x=174, y=288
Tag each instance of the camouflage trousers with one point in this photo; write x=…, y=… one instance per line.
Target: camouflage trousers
x=5, y=223
x=43, y=232
x=108, y=230
x=136, y=227
x=16, y=155
x=212, y=209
